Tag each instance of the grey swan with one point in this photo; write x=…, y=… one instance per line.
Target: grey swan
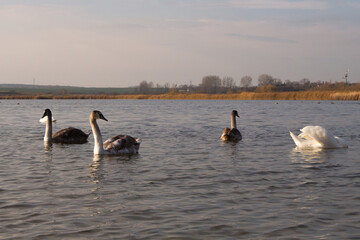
x=232, y=134
x=120, y=144
x=68, y=135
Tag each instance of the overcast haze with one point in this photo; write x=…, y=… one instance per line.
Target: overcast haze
x=112, y=43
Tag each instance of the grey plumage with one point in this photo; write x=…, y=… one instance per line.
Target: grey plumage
x=232, y=134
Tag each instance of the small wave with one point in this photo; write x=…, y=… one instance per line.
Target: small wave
x=288, y=231
x=305, y=184
x=351, y=176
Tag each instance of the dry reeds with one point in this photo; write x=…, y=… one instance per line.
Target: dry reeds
x=302, y=95
x=346, y=96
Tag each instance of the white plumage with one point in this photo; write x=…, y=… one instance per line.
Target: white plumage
x=317, y=137
x=44, y=119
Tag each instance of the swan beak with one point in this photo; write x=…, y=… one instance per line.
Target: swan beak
x=44, y=114
x=238, y=115
x=103, y=118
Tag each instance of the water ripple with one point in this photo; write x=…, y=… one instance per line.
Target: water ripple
x=185, y=183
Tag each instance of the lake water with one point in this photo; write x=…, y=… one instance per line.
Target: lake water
x=185, y=183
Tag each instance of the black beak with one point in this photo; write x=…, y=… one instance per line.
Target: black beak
x=103, y=118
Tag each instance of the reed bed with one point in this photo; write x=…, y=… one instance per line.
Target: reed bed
x=303, y=95
x=346, y=96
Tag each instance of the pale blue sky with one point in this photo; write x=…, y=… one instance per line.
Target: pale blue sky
x=120, y=43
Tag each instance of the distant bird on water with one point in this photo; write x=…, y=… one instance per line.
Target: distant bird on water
x=232, y=134
x=68, y=135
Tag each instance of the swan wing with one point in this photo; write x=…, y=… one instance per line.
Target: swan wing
x=231, y=134
x=225, y=134
x=317, y=137
x=321, y=135
x=305, y=141
x=235, y=134
x=122, y=144
x=70, y=135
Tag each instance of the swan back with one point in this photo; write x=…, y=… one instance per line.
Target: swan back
x=122, y=144
x=70, y=135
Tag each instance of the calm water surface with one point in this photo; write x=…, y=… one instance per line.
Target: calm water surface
x=185, y=183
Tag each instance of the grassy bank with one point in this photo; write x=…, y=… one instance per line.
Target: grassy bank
x=304, y=95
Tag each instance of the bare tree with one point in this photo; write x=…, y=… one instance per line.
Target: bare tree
x=245, y=81
x=167, y=85
x=265, y=79
x=144, y=87
x=228, y=82
x=305, y=82
x=277, y=81
x=211, y=84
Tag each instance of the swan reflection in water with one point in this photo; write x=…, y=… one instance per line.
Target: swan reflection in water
x=48, y=146
x=95, y=168
x=315, y=155
x=100, y=165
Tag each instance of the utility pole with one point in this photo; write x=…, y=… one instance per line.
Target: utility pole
x=346, y=75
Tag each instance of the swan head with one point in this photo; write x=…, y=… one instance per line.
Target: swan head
x=47, y=113
x=235, y=114
x=97, y=115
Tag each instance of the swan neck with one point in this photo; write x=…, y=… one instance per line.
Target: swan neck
x=98, y=147
x=233, y=121
x=48, y=130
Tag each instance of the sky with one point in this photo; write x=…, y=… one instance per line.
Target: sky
x=119, y=43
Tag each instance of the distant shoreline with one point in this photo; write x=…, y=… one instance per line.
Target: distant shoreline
x=301, y=95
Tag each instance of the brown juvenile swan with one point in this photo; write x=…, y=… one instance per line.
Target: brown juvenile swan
x=120, y=144
x=68, y=135
x=232, y=134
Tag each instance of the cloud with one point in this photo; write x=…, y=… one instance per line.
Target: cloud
x=279, y=4
x=70, y=45
x=262, y=38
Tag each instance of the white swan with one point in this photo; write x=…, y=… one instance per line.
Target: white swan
x=68, y=135
x=120, y=144
x=232, y=134
x=317, y=137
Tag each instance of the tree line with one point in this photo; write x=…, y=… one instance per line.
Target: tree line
x=266, y=83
